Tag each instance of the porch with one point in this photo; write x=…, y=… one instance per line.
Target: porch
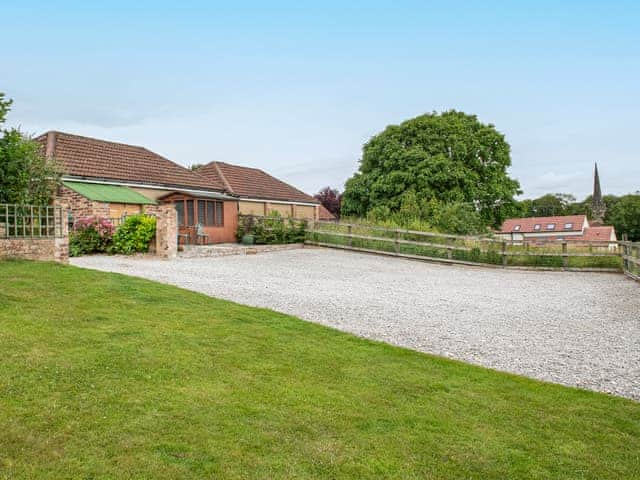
x=203, y=219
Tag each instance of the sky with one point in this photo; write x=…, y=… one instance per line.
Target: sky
x=296, y=88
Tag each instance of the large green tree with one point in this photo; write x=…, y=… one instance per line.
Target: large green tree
x=26, y=176
x=450, y=157
x=624, y=215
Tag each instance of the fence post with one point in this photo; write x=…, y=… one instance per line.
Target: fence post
x=349, y=239
x=396, y=243
x=449, y=249
x=504, y=253
x=565, y=255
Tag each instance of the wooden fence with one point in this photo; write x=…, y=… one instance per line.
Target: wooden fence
x=631, y=259
x=561, y=255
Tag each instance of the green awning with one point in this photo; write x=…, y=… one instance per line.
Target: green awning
x=108, y=193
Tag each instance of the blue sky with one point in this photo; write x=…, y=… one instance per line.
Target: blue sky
x=297, y=87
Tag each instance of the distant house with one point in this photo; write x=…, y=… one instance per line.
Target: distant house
x=260, y=193
x=109, y=179
x=325, y=215
x=570, y=228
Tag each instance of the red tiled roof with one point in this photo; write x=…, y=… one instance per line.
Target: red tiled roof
x=527, y=225
x=594, y=234
x=324, y=214
x=252, y=183
x=100, y=159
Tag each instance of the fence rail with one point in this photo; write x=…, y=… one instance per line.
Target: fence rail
x=566, y=254
x=30, y=221
x=631, y=259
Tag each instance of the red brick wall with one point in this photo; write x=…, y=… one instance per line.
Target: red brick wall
x=81, y=206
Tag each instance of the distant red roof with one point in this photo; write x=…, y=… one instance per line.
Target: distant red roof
x=324, y=214
x=86, y=157
x=594, y=234
x=252, y=183
x=566, y=223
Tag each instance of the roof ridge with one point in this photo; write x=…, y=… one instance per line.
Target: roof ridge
x=226, y=183
x=58, y=132
x=282, y=182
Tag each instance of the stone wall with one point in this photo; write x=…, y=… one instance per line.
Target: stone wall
x=166, y=245
x=28, y=248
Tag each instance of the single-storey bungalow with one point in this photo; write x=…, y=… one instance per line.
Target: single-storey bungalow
x=260, y=193
x=109, y=179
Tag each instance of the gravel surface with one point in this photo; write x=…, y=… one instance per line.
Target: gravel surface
x=578, y=329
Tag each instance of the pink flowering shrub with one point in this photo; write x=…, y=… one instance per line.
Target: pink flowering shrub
x=90, y=235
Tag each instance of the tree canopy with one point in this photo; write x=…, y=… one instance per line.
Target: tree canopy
x=450, y=158
x=330, y=199
x=26, y=176
x=624, y=215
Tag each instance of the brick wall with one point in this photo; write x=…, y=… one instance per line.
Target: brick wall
x=81, y=206
x=28, y=248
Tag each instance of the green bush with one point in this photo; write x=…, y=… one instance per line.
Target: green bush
x=134, y=235
x=272, y=229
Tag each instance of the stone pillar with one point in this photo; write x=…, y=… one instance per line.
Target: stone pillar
x=167, y=231
x=61, y=239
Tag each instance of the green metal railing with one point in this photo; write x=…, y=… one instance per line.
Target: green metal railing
x=30, y=221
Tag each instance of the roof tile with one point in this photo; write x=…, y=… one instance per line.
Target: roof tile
x=100, y=159
x=253, y=183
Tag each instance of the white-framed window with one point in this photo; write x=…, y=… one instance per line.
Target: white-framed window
x=516, y=228
x=568, y=226
x=551, y=226
x=536, y=226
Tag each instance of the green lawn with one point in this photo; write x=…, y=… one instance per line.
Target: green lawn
x=105, y=376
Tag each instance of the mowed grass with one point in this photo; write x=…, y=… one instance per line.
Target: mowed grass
x=106, y=376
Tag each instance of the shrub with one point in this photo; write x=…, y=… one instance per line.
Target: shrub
x=90, y=235
x=272, y=229
x=134, y=235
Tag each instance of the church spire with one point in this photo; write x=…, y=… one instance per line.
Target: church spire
x=597, y=203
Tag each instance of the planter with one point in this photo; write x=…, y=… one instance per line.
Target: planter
x=248, y=240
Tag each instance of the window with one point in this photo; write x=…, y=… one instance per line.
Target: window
x=551, y=226
x=180, y=210
x=190, y=213
x=568, y=226
x=207, y=212
x=219, y=214
x=516, y=228
x=536, y=226
x=201, y=212
x=210, y=213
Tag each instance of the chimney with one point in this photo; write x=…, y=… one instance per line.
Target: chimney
x=50, y=149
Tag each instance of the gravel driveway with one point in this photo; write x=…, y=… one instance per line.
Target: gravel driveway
x=577, y=329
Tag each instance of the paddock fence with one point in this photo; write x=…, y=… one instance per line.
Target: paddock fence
x=572, y=255
x=630, y=253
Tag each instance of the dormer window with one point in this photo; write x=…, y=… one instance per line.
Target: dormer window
x=551, y=226
x=536, y=226
x=516, y=228
x=568, y=226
